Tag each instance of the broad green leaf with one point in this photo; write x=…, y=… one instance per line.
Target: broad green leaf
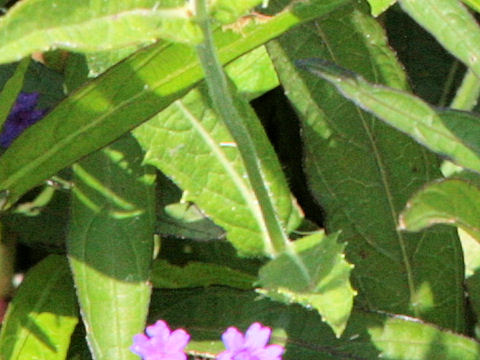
x=196, y=274
x=110, y=246
x=206, y=313
x=450, y=133
x=449, y=201
x=379, y=6
x=357, y=168
x=11, y=90
x=403, y=338
x=188, y=143
x=144, y=84
x=324, y=283
x=42, y=315
x=449, y=22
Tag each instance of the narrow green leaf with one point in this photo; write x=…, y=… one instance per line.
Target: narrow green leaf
x=356, y=168
x=11, y=90
x=110, y=246
x=449, y=21
x=449, y=201
x=403, y=338
x=195, y=274
x=42, y=315
x=450, y=133
x=324, y=285
x=188, y=143
x=144, y=84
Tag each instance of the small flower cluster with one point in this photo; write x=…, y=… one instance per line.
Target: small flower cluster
x=161, y=343
x=22, y=116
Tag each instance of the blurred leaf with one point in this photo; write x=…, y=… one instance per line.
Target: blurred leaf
x=188, y=143
x=11, y=90
x=448, y=21
x=144, y=84
x=324, y=283
x=447, y=201
x=379, y=6
x=195, y=274
x=403, y=338
x=362, y=173
x=450, y=133
x=110, y=246
x=474, y=4
x=42, y=315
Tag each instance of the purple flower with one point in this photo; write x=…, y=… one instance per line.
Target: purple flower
x=161, y=343
x=252, y=346
x=21, y=117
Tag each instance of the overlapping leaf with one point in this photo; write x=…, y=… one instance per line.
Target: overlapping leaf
x=196, y=274
x=362, y=172
x=450, y=133
x=453, y=26
x=110, y=246
x=312, y=273
x=190, y=145
x=43, y=314
x=450, y=201
x=206, y=313
x=126, y=96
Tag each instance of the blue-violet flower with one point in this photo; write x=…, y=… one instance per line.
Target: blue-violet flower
x=252, y=346
x=161, y=343
x=22, y=116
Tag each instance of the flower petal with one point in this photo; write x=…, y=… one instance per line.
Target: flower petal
x=233, y=339
x=226, y=355
x=159, y=329
x=271, y=352
x=177, y=340
x=257, y=336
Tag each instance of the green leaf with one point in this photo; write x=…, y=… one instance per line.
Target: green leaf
x=448, y=201
x=448, y=21
x=206, y=314
x=145, y=84
x=188, y=143
x=195, y=274
x=403, y=338
x=474, y=4
x=357, y=168
x=324, y=283
x=92, y=26
x=450, y=133
x=110, y=246
x=11, y=90
x=42, y=315
x=379, y=6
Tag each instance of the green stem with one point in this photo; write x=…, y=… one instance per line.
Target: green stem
x=223, y=102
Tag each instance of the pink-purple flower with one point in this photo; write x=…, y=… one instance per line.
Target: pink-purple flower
x=22, y=116
x=251, y=346
x=161, y=343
